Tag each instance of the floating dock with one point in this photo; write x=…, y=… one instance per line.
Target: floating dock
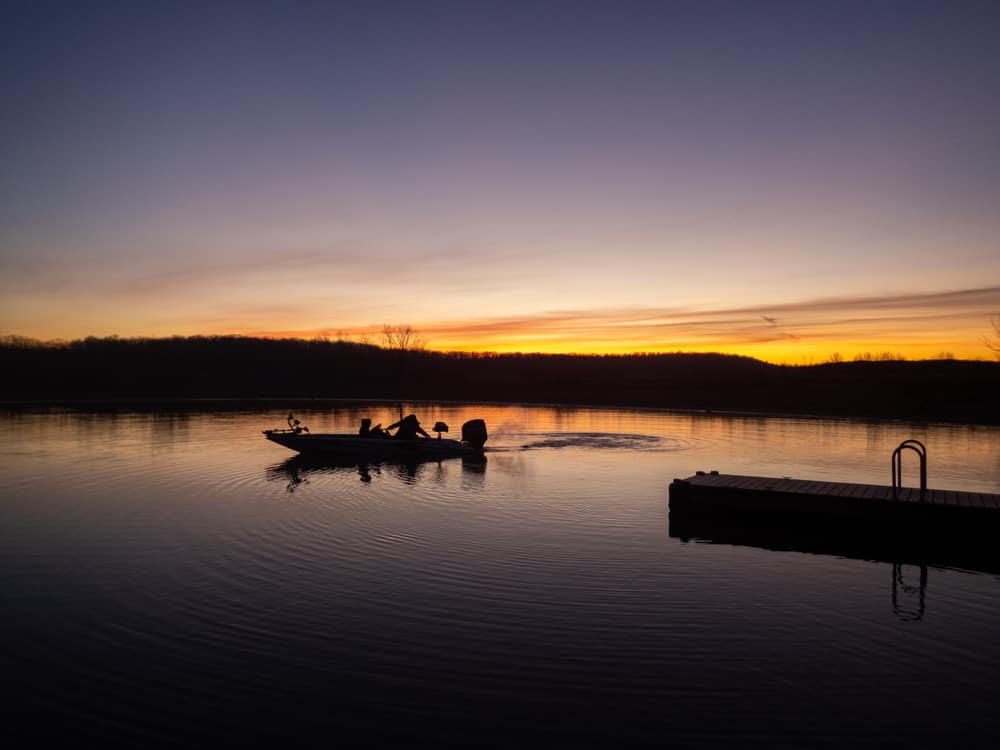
x=730, y=494
x=945, y=528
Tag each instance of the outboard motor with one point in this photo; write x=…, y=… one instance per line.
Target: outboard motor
x=474, y=433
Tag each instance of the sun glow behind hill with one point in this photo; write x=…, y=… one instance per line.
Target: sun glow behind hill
x=927, y=326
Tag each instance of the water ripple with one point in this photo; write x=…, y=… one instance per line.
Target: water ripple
x=172, y=578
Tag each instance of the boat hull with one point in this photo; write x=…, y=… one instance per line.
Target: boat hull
x=371, y=447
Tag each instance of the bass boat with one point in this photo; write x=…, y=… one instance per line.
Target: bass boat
x=381, y=445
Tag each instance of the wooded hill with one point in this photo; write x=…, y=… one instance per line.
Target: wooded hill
x=250, y=368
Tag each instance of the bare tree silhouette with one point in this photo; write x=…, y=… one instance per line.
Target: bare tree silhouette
x=994, y=343
x=401, y=338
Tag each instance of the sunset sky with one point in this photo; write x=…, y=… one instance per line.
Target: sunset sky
x=780, y=179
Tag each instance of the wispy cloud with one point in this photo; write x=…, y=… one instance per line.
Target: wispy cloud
x=933, y=319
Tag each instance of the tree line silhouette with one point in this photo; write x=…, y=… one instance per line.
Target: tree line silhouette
x=235, y=367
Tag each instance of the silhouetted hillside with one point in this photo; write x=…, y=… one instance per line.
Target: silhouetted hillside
x=237, y=367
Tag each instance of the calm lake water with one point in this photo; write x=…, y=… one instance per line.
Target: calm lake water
x=173, y=577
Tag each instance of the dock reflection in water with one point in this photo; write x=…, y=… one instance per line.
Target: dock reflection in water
x=910, y=551
x=876, y=541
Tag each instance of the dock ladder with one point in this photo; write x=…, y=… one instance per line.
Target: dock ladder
x=897, y=466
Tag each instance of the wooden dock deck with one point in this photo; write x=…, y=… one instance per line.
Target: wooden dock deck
x=734, y=494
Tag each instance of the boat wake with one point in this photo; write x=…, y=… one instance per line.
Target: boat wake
x=604, y=441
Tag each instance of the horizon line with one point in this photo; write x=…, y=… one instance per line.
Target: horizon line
x=883, y=355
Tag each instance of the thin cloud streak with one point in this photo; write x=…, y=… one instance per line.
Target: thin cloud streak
x=931, y=322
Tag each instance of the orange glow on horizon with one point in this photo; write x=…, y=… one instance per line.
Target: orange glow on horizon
x=776, y=352
x=949, y=324
x=939, y=325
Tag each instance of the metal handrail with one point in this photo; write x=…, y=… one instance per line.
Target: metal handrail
x=897, y=466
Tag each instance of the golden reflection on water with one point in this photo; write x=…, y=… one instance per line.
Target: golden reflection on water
x=195, y=443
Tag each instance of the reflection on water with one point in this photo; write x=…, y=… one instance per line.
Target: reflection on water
x=909, y=552
x=908, y=600
x=175, y=576
x=297, y=469
x=863, y=539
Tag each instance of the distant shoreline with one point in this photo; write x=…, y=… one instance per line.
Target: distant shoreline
x=271, y=403
x=246, y=373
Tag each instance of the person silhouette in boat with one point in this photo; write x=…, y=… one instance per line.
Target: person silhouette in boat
x=368, y=431
x=409, y=428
